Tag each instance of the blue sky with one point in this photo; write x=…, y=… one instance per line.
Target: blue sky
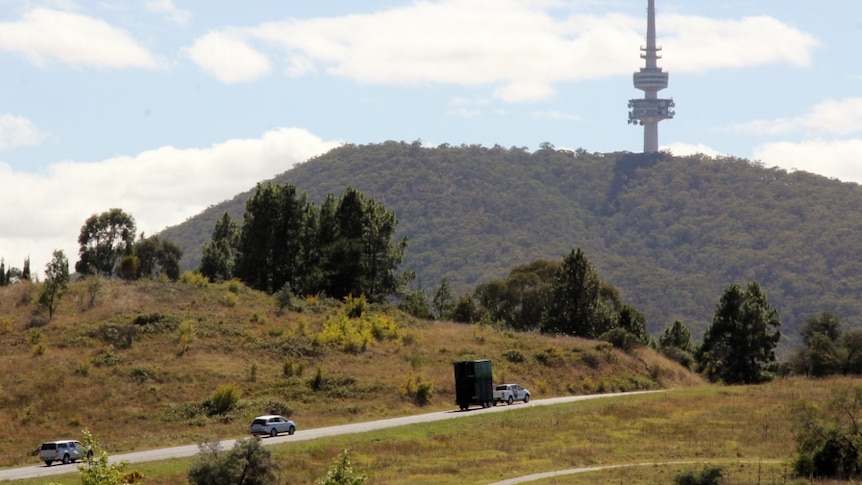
x=164, y=107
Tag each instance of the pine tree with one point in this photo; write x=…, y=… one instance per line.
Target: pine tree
x=219, y=255
x=739, y=346
x=574, y=302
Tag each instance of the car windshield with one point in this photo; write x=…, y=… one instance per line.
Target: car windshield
x=501, y=388
x=49, y=446
x=259, y=421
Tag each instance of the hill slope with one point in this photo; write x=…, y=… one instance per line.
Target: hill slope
x=669, y=232
x=123, y=369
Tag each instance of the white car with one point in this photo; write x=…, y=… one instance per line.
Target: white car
x=272, y=425
x=509, y=393
x=66, y=451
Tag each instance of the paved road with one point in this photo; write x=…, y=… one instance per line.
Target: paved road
x=38, y=471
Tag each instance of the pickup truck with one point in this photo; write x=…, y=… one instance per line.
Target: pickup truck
x=510, y=393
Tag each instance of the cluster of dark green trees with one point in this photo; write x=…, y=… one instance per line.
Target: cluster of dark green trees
x=569, y=298
x=827, y=348
x=108, y=247
x=344, y=247
x=12, y=274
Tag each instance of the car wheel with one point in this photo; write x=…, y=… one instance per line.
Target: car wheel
x=526, y=399
x=510, y=400
x=291, y=430
x=66, y=459
x=273, y=432
x=48, y=462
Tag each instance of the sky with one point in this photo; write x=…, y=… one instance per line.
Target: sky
x=163, y=108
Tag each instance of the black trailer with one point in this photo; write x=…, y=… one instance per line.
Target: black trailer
x=473, y=384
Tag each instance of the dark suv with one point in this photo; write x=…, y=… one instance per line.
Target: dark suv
x=66, y=451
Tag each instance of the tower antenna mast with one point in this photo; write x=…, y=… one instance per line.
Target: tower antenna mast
x=650, y=109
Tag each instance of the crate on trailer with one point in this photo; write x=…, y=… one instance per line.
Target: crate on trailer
x=473, y=383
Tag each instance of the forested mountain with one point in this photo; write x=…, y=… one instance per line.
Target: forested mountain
x=669, y=232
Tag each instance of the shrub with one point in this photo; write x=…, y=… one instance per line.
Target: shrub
x=148, y=318
x=83, y=368
x=229, y=299
x=710, y=475
x=155, y=322
x=550, y=358
x=185, y=335
x=34, y=336
x=355, y=334
x=247, y=463
x=418, y=390
x=684, y=358
x=194, y=278
x=355, y=307
x=514, y=356
x=142, y=373
x=105, y=358
x=224, y=399
x=622, y=339
x=38, y=321
x=276, y=407
x=234, y=286
x=119, y=335
x=182, y=412
x=341, y=472
x=291, y=369
x=316, y=383
x=98, y=471
x=284, y=298
x=828, y=439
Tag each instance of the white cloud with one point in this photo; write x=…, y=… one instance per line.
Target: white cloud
x=228, y=58
x=518, y=48
x=158, y=188
x=836, y=117
x=837, y=159
x=17, y=131
x=167, y=7
x=43, y=34
x=686, y=149
x=698, y=44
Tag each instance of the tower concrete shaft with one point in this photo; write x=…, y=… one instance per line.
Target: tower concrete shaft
x=649, y=110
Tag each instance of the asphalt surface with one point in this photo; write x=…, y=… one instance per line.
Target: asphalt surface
x=42, y=470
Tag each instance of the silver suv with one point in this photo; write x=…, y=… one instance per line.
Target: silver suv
x=272, y=425
x=66, y=451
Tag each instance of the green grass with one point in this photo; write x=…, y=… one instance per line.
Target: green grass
x=747, y=430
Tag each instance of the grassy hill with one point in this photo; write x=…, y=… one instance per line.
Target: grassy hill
x=138, y=363
x=671, y=233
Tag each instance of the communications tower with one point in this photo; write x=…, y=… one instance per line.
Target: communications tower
x=649, y=110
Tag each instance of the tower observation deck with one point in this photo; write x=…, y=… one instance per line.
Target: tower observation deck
x=650, y=109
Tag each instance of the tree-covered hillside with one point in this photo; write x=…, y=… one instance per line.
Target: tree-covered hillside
x=669, y=232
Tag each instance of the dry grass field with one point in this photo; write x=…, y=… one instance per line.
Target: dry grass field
x=137, y=363
x=746, y=430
